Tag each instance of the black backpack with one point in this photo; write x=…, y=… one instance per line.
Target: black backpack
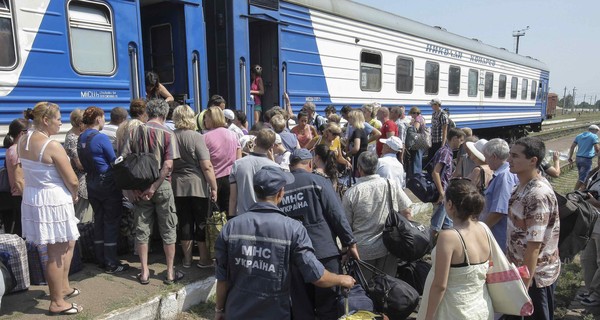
x=405, y=239
x=577, y=220
x=137, y=170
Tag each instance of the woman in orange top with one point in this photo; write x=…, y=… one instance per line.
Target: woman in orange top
x=303, y=131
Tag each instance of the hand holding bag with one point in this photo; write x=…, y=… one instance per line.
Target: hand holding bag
x=505, y=286
x=214, y=224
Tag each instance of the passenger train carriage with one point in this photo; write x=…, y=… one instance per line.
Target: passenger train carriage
x=79, y=53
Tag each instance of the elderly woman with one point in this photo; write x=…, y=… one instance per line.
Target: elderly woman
x=48, y=215
x=83, y=210
x=16, y=129
x=96, y=154
x=481, y=175
x=416, y=156
x=190, y=175
x=331, y=138
x=224, y=148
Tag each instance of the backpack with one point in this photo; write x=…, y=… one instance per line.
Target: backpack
x=137, y=171
x=577, y=220
x=405, y=239
x=451, y=123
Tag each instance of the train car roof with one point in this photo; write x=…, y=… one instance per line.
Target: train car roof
x=360, y=12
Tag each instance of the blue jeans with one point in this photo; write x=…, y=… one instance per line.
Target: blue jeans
x=107, y=203
x=439, y=219
x=584, y=165
x=416, y=158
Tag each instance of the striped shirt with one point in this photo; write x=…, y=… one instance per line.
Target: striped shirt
x=161, y=141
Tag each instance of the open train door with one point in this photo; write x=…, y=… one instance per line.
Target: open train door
x=239, y=35
x=174, y=47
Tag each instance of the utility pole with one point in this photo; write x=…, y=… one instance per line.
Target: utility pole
x=583, y=100
x=564, y=109
x=518, y=34
x=573, y=108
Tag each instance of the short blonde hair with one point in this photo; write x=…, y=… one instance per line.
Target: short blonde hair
x=214, y=118
x=44, y=109
x=356, y=119
x=333, y=128
x=334, y=118
x=76, y=117
x=184, y=118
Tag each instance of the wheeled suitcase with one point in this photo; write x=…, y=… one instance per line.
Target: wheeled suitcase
x=17, y=262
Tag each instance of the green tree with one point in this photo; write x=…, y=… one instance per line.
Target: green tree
x=569, y=102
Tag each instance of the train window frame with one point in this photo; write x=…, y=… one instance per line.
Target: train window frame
x=436, y=81
x=534, y=88
x=473, y=86
x=412, y=74
x=514, y=87
x=488, y=90
x=452, y=79
x=7, y=12
x=97, y=25
x=524, y=89
x=172, y=58
x=371, y=66
x=502, y=86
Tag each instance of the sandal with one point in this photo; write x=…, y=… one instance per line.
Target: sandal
x=178, y=276
x=74, y=309
x=73, y=294
x=142, y=281
x=204, y=266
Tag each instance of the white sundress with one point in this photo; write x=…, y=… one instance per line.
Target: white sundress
x=47, y=212
x=466, y=295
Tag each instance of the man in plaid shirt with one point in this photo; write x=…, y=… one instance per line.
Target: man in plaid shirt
x=439, y=126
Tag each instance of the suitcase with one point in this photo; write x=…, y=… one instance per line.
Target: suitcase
x=15, y=246
x=37, y=255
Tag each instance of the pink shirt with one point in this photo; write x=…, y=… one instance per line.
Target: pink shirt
x=222, y=145
x=12, y=160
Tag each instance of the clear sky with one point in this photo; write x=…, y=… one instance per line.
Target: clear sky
x=563, y=34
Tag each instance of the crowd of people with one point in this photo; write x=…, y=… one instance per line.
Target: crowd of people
x=300, y=199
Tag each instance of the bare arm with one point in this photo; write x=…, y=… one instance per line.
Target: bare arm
x=238, y=153
x=443, y=258
x=493, y=218
x=355, y=147
x=209, y=174
x=233, y=199
x=437, y=180
x=530, y=260
x=571, y=150
x=329, y=280
x=63, y=166
x=444, y=134
x=374, y=136
x=163, y=92
x=220, y=299
x=166, y=169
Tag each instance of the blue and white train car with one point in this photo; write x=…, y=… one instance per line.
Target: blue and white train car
x=343, y=53
x=79, y=53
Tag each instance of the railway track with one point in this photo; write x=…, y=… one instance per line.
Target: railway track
x=555, y=132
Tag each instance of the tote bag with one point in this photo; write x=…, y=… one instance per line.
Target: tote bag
x=505, y=286
x=214, y=224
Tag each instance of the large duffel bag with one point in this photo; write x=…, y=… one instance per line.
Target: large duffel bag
x=17, y=262
x=37, y=256
x=414, y=273
x=86, y=242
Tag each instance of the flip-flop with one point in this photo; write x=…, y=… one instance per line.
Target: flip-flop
x=73, y=294
x=142, y=281
x=178, y=276
x=74, y=309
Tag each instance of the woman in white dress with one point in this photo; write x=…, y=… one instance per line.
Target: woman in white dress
x=455, y=287
x=48, y=215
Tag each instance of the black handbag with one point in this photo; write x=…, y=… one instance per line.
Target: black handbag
x=4, y=183
x=405, y=239
x=137, y=171
x=422, y=186
x=391, y=296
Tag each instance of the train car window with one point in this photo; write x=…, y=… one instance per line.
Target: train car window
x=502, y=86
x=432, y=77
x=489, y=85
x=404, y=74
x=473, y=81
x=162, y=53
x=514, y=83
x=533, y=89
x=524, y=90
x=454, y=80
x=370, y=71
x=8, y=47
x=92, y=38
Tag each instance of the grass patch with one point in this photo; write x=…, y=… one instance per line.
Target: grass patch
x=568, y=283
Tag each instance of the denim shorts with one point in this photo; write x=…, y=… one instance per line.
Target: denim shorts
x=584, y=165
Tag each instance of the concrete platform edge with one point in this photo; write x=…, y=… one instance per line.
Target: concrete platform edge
x=167, y=306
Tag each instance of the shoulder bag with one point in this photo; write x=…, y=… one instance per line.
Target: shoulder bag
x=504, y=284
x=214, y=224
x=423, y=139
x=137, y=170
x=422, y=186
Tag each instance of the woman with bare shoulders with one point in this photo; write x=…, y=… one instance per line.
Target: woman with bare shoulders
x=455, y=287
x=48, y=215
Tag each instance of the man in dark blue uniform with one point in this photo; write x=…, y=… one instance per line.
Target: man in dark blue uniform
x=311, y=200
x=255, y=253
